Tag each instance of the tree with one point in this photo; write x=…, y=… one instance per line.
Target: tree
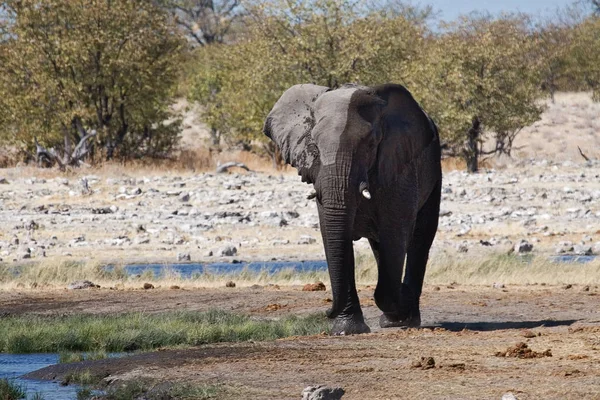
x=87, y=77
x=480, y=82
x=204, y=21
x=554, y=49
x=326, y=42
x=586, y=53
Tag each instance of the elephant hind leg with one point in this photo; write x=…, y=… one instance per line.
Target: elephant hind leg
x=390, y=294
x=418, y=251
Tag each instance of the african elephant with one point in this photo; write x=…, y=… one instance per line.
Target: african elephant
x=373, y=156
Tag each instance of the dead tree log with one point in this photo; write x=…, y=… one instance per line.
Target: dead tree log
x=225, y=167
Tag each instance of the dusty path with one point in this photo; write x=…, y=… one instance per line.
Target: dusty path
x=468, y=325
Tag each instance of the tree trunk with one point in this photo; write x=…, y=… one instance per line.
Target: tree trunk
x=215, y=137
x=471, y=152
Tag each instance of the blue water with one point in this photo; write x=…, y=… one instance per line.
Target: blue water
x=12, y=366
x=189, y=270
x=271, y=267
x=572, y=259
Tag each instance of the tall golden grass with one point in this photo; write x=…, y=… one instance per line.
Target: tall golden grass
x=442, y=269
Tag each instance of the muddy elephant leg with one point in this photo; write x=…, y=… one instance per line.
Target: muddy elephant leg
x=390, y=295
x=418, y=252
x=346, y=312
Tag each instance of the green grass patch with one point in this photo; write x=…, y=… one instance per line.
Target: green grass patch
x=141, y=331
x=71, y=357
x=84, y=377
x=10, y=390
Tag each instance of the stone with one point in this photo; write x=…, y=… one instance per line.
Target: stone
x=102, y=210
x=14, y=240
x=183, y=257
x=509, y=396
x=184, y=197
x=462, y=248
x=32, y=226
x=523, y=246
x=321, y=392
x=85, y=284
x=142, y=239
x=314, y=287
x=307, y=239
x=498, y=285
x=3, y=181
x=583, y=250
x=228, y=251
x=148, y=286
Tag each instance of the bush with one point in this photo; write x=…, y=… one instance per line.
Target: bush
x=88, y=79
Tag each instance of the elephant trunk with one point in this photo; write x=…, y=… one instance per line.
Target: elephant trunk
x=340, y=259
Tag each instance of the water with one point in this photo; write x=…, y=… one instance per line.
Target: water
x=573, y=259
x=12, y=366
x=189, y=270
x=271, y=267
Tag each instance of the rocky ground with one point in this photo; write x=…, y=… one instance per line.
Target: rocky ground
x=131, y=216
x=531, y=342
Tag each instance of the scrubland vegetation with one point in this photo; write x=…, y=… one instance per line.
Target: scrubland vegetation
x=84, y=82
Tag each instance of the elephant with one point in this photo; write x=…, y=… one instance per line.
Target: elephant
x=374, y=158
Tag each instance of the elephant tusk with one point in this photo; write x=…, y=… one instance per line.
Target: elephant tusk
x=366, y=194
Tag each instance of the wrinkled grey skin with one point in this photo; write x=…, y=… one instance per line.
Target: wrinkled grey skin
x=344, y=141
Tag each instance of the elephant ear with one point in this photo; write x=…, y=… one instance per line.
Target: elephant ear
x=289, y=125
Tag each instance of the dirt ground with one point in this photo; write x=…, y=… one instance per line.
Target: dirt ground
x=468, y=331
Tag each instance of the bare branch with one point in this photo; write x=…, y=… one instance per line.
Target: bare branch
x=586, y=158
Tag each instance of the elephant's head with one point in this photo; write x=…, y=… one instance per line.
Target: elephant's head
x=330, y=136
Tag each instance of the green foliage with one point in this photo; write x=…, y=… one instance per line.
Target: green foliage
x=326, y=42
x=70, y=67
x=83, y=377
x=586, y=53
x=138, y=331
x=479, y=78
x=65, y=358
x=10, y=390
x=479, y=72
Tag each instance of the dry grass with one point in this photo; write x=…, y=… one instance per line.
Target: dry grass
x=442, y=269
x=510, y=269
x=187, y=162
